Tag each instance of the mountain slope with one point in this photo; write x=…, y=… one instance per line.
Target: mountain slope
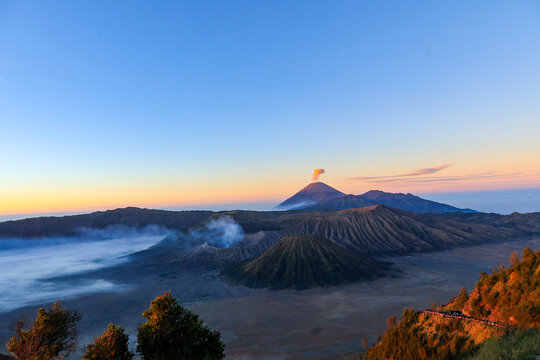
x=372, y=230
x=376, y=230
x=382, y=230
x=410, y=202
x=501, y=302
x=303, y=262
x=310, y=194
x=400, y=201
x=341, y=203
x=319, y=196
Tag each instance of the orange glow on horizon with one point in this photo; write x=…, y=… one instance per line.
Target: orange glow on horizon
x=40, y=201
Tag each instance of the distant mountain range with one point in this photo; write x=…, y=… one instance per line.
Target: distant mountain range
x=319, y=196
x=304, y=261
x=366, y=232
x=376, y=230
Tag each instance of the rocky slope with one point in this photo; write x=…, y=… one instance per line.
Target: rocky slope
x=382, y=230
x=375, y=230
x=302, y=262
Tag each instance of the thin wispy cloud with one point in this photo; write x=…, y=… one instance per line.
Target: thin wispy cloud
x=428, y=170
x=414, y=173
x=449, y=179
x=426, y=176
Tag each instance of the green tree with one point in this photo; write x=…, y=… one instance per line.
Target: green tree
x=111, y=345
x=53, y=334
x=172, y=332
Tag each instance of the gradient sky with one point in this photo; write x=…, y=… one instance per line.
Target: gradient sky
x=194, y=103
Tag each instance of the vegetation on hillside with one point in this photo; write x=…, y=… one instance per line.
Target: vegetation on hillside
x=408, y=339
x=509, y=297
x=513, y=345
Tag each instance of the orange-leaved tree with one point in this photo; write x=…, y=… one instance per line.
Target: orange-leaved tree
x=53, y=334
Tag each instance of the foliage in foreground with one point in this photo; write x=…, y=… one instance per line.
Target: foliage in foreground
x=510, y=297
x=172, y=332
x=53, y=334
x=408, y=340
x=111, y=345
x=515, y=345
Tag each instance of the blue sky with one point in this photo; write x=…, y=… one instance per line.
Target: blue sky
x=107, y=104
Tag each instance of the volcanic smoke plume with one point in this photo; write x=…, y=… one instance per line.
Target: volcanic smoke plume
x=317, y=173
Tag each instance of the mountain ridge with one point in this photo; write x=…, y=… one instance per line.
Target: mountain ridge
x=379, y=229
x=324, y=197
x=69, y=225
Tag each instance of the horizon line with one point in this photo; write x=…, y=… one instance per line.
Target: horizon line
x=217, y=205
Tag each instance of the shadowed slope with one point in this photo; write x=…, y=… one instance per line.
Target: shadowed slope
x=410, y=202
x=407, y=202
x=303, y=262
x=341, y=203
x=311, y=194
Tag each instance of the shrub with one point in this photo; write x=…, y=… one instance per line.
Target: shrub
x=112, y=345
x=53, y=334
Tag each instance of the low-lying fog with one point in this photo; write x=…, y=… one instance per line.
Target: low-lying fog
x=30, y=268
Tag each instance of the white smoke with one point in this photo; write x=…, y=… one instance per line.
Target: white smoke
x=220, y=232
x=226, y=231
